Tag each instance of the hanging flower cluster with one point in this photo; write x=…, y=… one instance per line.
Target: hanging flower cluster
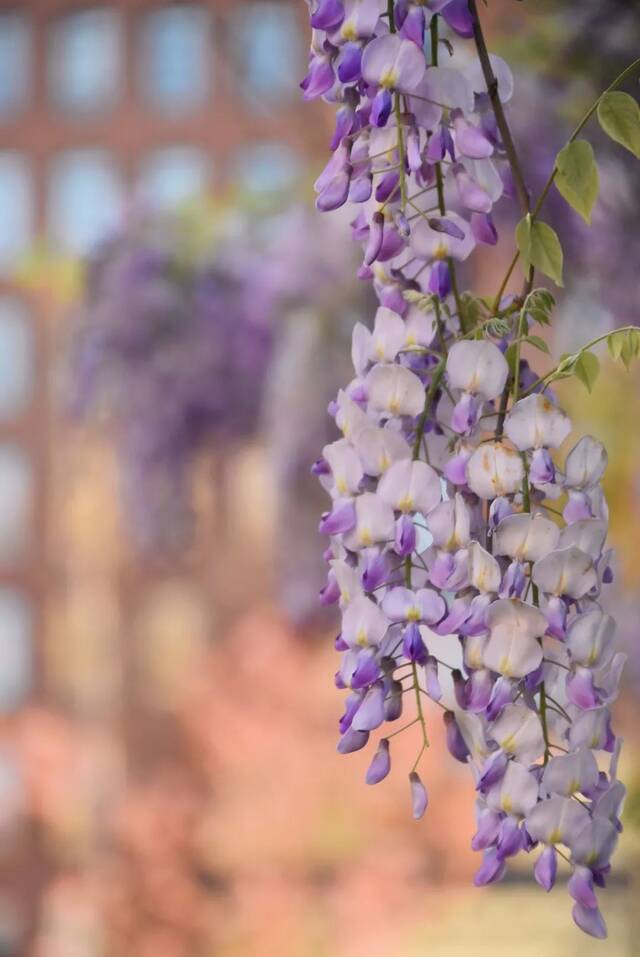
x=451, y=514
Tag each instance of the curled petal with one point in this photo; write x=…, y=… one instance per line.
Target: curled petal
x=419, y=797
x=546, y=868
x=380, y=764
x=590, y=920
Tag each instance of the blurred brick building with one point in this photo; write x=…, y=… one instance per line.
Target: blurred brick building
x=102, y=104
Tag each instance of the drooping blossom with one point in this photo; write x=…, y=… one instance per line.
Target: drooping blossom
x=454, y=508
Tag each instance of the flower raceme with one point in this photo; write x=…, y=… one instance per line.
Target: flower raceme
x=454, y=521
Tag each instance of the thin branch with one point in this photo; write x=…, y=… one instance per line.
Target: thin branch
x=501, y=120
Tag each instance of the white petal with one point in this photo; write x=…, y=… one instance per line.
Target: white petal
x=567, y=571
x=556, y=821
x=518, y=731
x=493, y=470
x=477, y=367
x=374, y=522
x=394, y=389
x=589, y=535
x=450, y=524
x=449, y=87
x=590, y=639
x=345, y=466
x=363, y=623
x=348, y=579
x=516, y=793
x=586, y=463
x=526, y=537
x=484, y=571
x=567, y=774
x=535, y=422
x=350, y=416
x=512, y=648
x=388, y=335
x=378, y=448
x=360, y=348
x=410, y=487
x=501, y=71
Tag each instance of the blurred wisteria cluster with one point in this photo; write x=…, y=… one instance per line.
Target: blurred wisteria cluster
x=468, y=558
x=172, y=347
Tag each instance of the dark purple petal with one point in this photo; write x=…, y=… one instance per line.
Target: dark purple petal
x=492, y=772
x=336, y=192
x=455, y=741
x=483, y=229
x=376, y=236
x=413, y=647
x=546, y=868
x=380, y=764
x=440, y=279
x=491, y=869
x=381, y=107
x=367, y=669
x=440, y=224
x=352, y=741
x=342, y=518
x=370, y=714
x=393, y=702
x=318, y=80
x=350, y=63
x=458, y=16
x=328, y=15
x=405, y=536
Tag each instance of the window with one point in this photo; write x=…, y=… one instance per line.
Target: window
x=16, y=358
x=16, y=208
x=176, y=53
x=85, y=60
x=16, y=651
x=15, y=63
x=267, y=168
x=16, y=500
x=85, y=200
x=267, y=46
x=172, y=175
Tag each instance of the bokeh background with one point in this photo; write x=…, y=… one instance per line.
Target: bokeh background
x=174, y=318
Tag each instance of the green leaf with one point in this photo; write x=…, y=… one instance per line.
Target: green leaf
x=619, y=116
x=630, y=347
x=586, y=369
x=537, y=343
x=540, y=247
x=577, y=177
x=614, y=345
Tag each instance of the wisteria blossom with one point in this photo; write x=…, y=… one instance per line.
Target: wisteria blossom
x=460, y=506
